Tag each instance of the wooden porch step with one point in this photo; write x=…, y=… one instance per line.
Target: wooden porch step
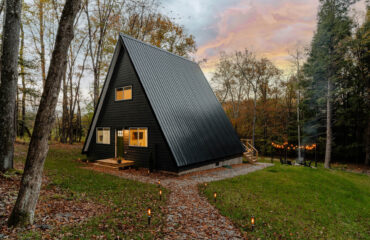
x=105, y=166
x=114, y=163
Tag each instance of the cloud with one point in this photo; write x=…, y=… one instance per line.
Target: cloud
x=269, y=28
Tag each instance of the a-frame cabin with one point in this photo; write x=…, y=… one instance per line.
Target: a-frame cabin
x=158, y=110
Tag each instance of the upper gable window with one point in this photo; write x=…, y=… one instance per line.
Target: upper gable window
x=124, y=93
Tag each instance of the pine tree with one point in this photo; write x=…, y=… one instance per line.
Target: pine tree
x=333, y=26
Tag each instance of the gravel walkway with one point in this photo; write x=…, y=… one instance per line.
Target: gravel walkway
x=190, y=216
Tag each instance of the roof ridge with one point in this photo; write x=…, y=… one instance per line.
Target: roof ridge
x=158, y=48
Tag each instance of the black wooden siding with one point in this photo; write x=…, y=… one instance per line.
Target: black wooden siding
x=130, y=113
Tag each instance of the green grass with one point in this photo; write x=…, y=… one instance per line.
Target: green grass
x=296, y=203
x=127, y=200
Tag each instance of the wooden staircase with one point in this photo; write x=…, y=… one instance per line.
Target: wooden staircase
x=251, y=153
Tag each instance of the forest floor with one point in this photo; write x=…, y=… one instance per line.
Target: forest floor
x=76, y=203
x=295, y=202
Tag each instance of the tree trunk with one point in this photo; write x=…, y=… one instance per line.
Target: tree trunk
x=71, y=109
x=42, y=43
x=24, y=209
x=299, y=126
x=9, y=79
x=367, y=134
x=21, y=59
x=254, y=116
x=367, y=146
x=329, y=137
x=79, y=121
x=63, y=137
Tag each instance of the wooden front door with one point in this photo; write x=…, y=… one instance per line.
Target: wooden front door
x=125, y=141
x=119, y=144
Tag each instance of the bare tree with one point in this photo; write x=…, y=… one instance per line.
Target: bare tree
x=24, y=209
x=265, y=72
x=246, y=66
x=9, y=79
x=230, y=87
x=97, y=32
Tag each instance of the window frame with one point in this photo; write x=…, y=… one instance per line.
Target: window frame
x=123, y=88
x=147, y=137
x=102, y=128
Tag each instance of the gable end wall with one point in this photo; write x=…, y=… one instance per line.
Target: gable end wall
x=131, y=113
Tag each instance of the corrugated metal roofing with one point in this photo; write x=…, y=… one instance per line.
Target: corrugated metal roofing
x=189, y=114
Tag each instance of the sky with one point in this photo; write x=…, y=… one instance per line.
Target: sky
x=270, y=28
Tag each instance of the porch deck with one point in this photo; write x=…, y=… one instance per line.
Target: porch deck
x=112, y=163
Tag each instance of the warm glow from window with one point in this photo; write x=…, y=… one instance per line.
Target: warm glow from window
x=138, y=137
x=124, y=93
x=103, y=135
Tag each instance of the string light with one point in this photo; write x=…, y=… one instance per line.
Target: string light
x=285, y=145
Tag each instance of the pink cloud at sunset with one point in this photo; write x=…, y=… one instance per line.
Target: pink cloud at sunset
x=270, y=28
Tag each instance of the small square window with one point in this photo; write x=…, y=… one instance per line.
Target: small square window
x=124, y=93
x=103, y=135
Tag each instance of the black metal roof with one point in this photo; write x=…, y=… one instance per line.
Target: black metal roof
x=189, y=114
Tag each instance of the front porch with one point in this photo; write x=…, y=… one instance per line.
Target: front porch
x=113, y=163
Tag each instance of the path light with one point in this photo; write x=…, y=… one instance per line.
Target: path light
x=159, y=182
x=160, y=194
x=205, y=184
x=215, y=195
x=252, y=222
x=149, y=215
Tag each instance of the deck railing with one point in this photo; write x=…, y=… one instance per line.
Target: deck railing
x=251, y=152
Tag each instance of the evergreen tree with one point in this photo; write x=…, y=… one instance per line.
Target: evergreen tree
x=322, y=68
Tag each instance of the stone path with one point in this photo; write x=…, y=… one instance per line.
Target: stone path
x=188, y=215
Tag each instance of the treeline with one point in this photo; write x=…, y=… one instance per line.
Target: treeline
x=324, y=100
x=95, y=34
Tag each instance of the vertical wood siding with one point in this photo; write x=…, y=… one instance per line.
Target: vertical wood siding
x=131, y=113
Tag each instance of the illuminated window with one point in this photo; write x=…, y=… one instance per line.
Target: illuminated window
x=120, y=133
x=103, y=135
x=124, y=93
x=138, y=137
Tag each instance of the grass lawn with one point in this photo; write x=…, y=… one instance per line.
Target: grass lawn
x=296, y=203
x=127, y=200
